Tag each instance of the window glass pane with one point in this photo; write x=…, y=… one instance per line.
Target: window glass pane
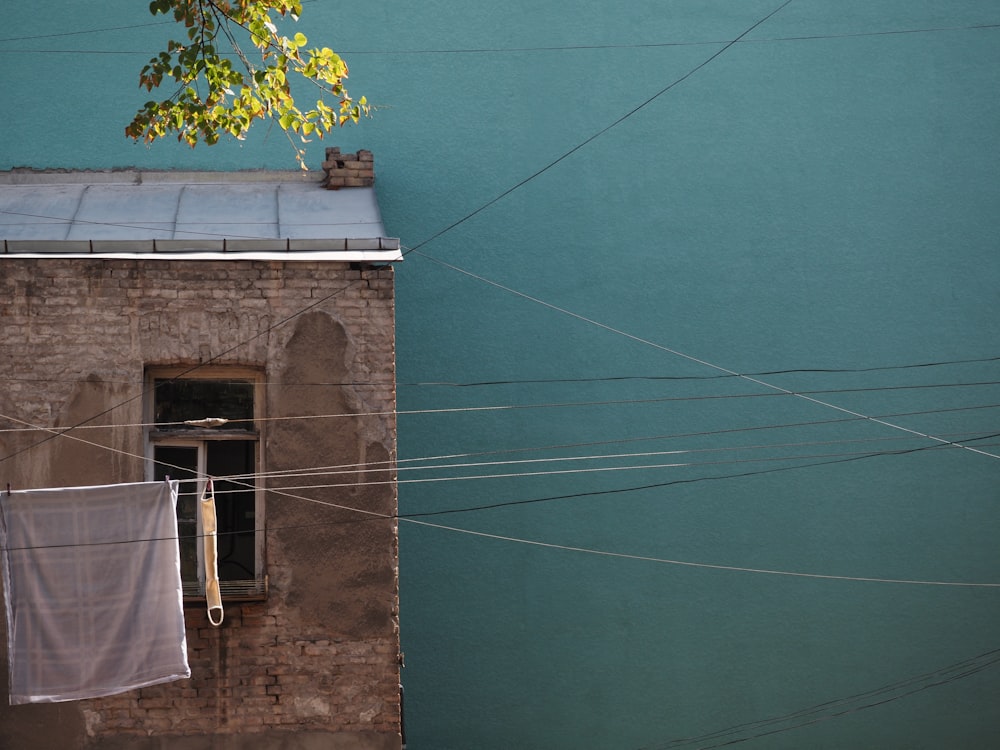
x=181, y=462
x=182, y=400
x=234, y=506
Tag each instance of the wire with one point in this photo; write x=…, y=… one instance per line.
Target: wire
x=460, y=221
x=691, y=358
x=840, y=457
x=412, y=518
x=689, y=564
x=724, y=376
x=603, y=553
x=380, y=466
x=660, y=485
x=510, y=50
x=842, y=706
x=532, y=381
x=657, y=45
x=547, y=381
x=704, y=433
x=551, y=405
x=84, y=31
x=595, y=136
x=540, y=172
x=621, y=441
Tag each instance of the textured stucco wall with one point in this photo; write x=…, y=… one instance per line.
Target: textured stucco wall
x=821, y=195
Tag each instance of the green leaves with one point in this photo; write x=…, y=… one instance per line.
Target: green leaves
x=205, y=104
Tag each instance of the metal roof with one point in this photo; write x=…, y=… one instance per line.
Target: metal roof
x=189, y=215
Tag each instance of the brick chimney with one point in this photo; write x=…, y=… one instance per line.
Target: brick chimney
x=348, y=170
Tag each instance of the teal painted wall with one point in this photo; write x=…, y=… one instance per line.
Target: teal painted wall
x=823, y=195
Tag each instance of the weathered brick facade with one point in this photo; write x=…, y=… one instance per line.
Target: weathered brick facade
x=315, y=664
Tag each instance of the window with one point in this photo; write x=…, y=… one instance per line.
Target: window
x=205, y=425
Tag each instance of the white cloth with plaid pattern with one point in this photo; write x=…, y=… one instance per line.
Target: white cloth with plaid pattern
x=93, y=590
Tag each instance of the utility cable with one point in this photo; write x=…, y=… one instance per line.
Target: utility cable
x=837, y=459
x=85, y=31
x=619, y=555
x=706, y=363
x=702, y=565
x=548, y=381
x=517, y=50
x=411, y=518
x=383, y=466
x=605, y=469
x=840, y=706
x=550, y=405
x=595, y=136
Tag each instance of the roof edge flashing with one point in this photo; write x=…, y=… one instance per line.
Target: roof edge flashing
x=380, y=249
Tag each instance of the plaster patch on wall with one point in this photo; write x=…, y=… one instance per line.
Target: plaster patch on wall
x=93, y=722
x=311, y=706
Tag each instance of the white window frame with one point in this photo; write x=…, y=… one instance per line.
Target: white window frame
x=153, y=437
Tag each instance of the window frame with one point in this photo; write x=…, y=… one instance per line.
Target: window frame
x=198, y=438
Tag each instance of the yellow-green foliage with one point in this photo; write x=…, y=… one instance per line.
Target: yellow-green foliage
x=214, y=97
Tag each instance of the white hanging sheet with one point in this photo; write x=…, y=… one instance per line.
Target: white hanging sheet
x=93, y=590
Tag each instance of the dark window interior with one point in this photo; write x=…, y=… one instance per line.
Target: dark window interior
x=234, y=503
x=177, y=401
x=181, y=462
x=234, y=506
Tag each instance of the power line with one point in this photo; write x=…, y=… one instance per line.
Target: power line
x=412, y=518
x=674, y=482
x=679, y=464
x=704, y=433
x=787, y=371
x=379, y=467
x=708, y=566
x=537, y=448
x=518, y=50
x=536, y=174
x=658, y=45
x=621, y=441
x=550, y=405
x=101, y=29
x=691, y=358
x=366, y=468
x=595, y=136
x=546, y=381
x=439, y=233
x=839, y=706
x=85, y=31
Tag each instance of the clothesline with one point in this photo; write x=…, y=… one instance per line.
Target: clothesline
x=590, y=551
x=209, y=423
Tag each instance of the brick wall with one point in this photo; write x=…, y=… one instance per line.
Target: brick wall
x=319, y=658
x=261, y=672
x=348, y=170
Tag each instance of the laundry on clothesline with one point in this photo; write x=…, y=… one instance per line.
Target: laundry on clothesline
x=93, y=590
x=210, y=548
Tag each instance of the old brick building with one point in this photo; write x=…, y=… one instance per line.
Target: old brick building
x=131, y=303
